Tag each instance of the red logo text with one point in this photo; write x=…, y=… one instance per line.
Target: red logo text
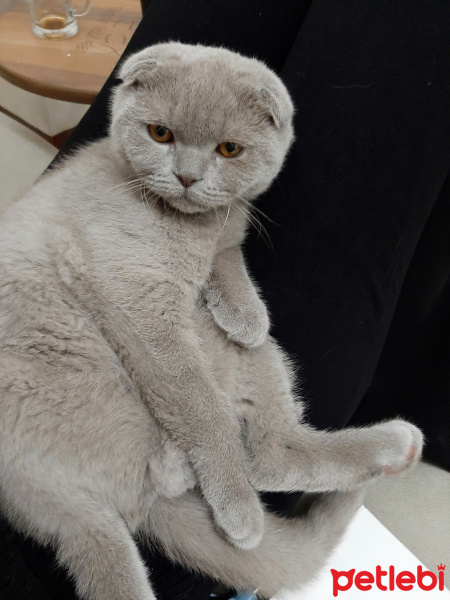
x=387, y=580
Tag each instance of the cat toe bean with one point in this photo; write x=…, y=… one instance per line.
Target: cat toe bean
x=403, y=447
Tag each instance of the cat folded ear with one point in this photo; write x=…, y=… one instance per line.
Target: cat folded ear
x=138, y=68
x=276, y=104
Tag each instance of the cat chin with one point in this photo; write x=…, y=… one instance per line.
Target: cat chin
x=189, y=205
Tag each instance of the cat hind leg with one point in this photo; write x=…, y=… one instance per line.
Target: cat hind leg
x=91, y=541
x=305, y=459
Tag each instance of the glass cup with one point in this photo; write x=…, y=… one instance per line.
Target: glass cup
x=55, y=19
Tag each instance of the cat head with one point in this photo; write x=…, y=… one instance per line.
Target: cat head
x=201, y=126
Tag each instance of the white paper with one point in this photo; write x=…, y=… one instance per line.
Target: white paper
x=368, y=544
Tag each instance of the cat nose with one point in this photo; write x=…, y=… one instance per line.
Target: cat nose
x=186, y=180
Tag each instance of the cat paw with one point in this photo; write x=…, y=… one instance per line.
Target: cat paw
x=245, y=325
x=242, y=521
x=399, y=447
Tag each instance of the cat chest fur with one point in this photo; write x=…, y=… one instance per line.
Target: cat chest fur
x=164, y=261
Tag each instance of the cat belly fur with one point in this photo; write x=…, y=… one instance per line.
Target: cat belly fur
x=110, y=445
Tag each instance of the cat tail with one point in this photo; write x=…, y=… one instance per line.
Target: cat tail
x=289, y=555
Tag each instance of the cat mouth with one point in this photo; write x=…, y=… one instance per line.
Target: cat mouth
x=183, y=202
x=187, y=202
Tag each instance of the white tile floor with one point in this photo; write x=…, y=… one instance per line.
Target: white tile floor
x=415, y=507
x=23, y=157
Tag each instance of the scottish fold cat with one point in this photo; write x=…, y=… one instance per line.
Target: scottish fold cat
x=140, y=392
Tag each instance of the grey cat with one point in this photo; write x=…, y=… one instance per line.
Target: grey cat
x=140, y=392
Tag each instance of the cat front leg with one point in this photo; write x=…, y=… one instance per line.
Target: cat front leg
x=173, y=377
x=185, y=399
x=233, y=300
x=174, y=380
x=90, y=537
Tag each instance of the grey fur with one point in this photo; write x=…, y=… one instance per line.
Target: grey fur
x=135, y=363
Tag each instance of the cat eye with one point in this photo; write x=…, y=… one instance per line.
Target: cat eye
x=229, y=149
x=160, y=133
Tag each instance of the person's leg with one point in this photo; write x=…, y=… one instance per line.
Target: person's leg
x=412, y=378
x=372, y=151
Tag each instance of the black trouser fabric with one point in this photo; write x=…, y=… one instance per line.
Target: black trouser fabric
x=356, y=272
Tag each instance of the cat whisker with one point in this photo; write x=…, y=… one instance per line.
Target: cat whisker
x=128, y=190
x=125, y=184
x=154, y=199
x=254, y=219
x=143, y=195
x=217, y=215
x=262, y=230
x=226, y=218
x=256, y=209
x=256, y=223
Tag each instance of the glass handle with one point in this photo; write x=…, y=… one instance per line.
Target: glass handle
x=86, y=9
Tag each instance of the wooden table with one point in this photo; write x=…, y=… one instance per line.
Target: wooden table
x=74, y=69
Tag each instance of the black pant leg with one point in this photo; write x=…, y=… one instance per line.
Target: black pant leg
x=370, y=83
x=412, y=378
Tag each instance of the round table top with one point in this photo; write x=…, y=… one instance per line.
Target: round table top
x=72, y=69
